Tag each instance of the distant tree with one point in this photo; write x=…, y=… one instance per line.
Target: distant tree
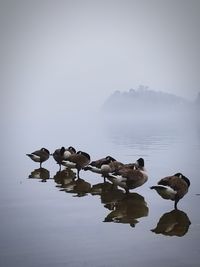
x=144, y=100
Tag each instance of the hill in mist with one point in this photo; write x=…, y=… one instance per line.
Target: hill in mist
x=145, y=101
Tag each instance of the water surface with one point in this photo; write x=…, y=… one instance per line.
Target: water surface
x=46, y=222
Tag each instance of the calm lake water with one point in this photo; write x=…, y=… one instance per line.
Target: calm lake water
x=49, y=223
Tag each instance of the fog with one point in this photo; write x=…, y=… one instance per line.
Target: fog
x=61, y=64
x=62, y=57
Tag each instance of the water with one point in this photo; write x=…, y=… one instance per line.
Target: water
x=45, y=224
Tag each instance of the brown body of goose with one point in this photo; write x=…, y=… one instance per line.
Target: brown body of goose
x=138, y=165
x=63, y=153
x=173, y=187
x=104, y=166
x=98, y=163
x=130, y=178
x=77, y=161
x=39, y=155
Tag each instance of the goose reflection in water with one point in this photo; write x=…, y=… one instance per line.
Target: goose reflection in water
x=112, y=197
x=79, y=186
x=173, y=223
x=100, y=188
x=108, y=193
x=40, y=173
x=128, y=210
x=64, y=177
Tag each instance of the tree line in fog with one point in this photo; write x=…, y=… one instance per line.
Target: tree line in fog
x=143, y=100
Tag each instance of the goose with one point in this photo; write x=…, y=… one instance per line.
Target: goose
x=173, y=187
x=139, y=164
x=39, y=155
x=77, y=161
x=62, y=153
x=130, y=177
x=95, y=166
x=104, y=166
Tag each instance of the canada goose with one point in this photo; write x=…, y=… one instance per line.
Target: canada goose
x=95, y=166
x=63, y=153
x=173, y=187
x=110, y=167
x=139, y=164
x=130, y=178
x=39, y=155
x=77, y=161
x=104, y=166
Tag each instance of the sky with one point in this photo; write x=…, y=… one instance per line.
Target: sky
x=60, y=56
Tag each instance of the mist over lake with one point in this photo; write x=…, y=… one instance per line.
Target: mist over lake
x=112, y=79
x=61, y=224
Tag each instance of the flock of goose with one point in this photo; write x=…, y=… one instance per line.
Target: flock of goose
x=126, y=176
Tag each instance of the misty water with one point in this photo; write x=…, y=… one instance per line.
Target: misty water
x=46, y=223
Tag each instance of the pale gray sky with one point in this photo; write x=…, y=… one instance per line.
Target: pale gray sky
x=62, y=54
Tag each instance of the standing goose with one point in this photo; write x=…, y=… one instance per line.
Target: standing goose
x=77, y=161
x=95, y=166
x=130, y=177
x=173, y=187
x=63, y=153
x=39, y=155
x=104, y=166
x=111, y=166
x=139, y=164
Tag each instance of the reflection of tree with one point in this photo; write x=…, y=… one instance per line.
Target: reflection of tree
x=40, y=173
x=128, y=210
x=173, y=223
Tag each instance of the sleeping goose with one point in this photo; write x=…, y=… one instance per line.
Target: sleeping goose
x=130, y=177
x=39, y=155
x=62, y=153
x=173, y=187
x=104, y=166
x=77, y=161
x=139, y=164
